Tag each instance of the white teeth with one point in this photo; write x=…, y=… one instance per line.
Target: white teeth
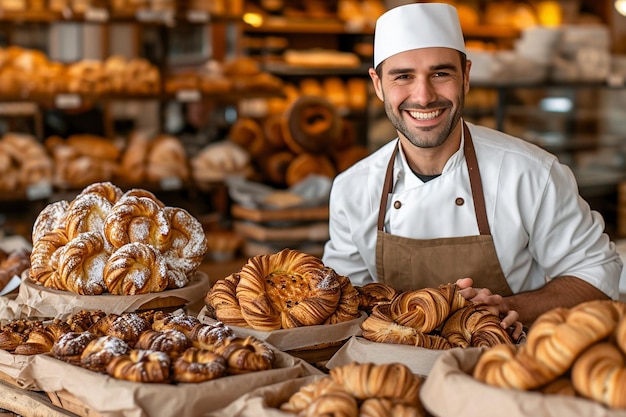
x=425, y=116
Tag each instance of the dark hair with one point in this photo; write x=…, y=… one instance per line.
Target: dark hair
x=379, y=68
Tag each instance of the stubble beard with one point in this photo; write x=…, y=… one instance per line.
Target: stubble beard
x=414, y=136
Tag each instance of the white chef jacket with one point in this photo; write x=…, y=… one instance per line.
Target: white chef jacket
x=540, y=225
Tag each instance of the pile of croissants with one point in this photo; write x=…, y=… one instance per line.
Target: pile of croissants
x=578, y=351
x=109, y=241
x=150, y=346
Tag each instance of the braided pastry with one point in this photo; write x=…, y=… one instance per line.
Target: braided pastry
x=41, y=339
x=82, y=320
x=348, y=307
x=105, y=189
x=44, y=258
x=285, y=290
x=222, y=302
x=135, y=268
x=69, y=348
x=210, y=336
x=126, y=326
x=427, y=308
x=81, y=264
x=476, y=326
x=141, y=366
x=380, y=327
x=171, y=341
x=137, y=219
x=50, y=218
x=141, y=193
x=247, y=354
x=392, y=381
x=100, y=351
x=188, y=246
x=197, y=365
x=374, y=293
x=181, y=322
x=87, y=214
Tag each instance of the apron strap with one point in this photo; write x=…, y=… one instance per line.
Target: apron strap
x=474, y=177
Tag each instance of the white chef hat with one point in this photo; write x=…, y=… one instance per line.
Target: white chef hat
x=414, y=26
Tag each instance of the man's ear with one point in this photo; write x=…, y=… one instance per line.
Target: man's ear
x=377, y=82
x=466, y=78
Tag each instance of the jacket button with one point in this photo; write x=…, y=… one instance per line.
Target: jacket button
x=459, y=201
x=397, y=204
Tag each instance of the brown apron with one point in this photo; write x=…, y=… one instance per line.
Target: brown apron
x=408, y=264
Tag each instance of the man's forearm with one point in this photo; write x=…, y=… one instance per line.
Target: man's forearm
x=566, y=291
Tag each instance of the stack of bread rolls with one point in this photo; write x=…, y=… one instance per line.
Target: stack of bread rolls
x=109, y=241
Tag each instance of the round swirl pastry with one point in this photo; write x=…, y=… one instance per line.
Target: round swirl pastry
x=87, y=213
x=553, y=343
x=99, y=352
x=141, y=366
x=393, y=381
x=135, y=268
x=137, y=219
x=81, y=264
x=44, y=258
x=600, y=373
x=197, y=365
x=374, y=293
x=475, y=325
x=380, y=327
x=287, y=289
x=171, y=341
x=50, y=218
x=427, y=308
x=141, y=193
x=222, y=302
x=247, y=354
x=69, y=348
x=210, y=336
x=104, y=189
x=126, y=326
x=188, y=246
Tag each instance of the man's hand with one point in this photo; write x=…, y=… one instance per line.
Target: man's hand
x=495, y=302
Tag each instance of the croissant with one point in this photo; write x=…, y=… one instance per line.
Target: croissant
x=476, y=326
x=334, y=403
x=135, y=268
x=137, y=219
x=287, y=289
x=222, y=302
x=393, y=381
x=247, y=354
x=86, y=214
x=308, y=393
x=197, y=365
x=141, y=366
x=10, y=340
x=81, y=264
x=44, y=258
x=188, y=246
x=171, y=341
x=427, y=308
x=99, y=352
x=380, y=327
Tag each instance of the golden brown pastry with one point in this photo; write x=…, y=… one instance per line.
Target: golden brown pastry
x=141, y=366
x=334, y=403
x=82, y=320
x=44, y=258
x=126, y=326
x=100, y=351
x=105, y=189
x=476, y=326
x=41, y=339
x=222, y=302
x=143, y=193
x=306, y=164
x=247, y=354
x=210, y=336
x=87, y=214
x=50, y=218
x=348, y=307
x=132, y=169
x=167, y=159
x=71, y=345
x=171, y=341
x=94, y=146
x=181, y=322
x=381, y=407
x=188, y=245
x=311, y=124
x=287, y=289
x=374, y=293
x=135, y=268
x=135, y=219
x=197, y=365
x=248, y=134
x=301, y=399
x=81, y=264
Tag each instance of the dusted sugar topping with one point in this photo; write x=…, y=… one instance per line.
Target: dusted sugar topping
x=188, y=241
x=72, y=343
x=135, y=268
x=87, y=214
x=51, y=217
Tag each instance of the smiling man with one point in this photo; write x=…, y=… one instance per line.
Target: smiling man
x=449, y=201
